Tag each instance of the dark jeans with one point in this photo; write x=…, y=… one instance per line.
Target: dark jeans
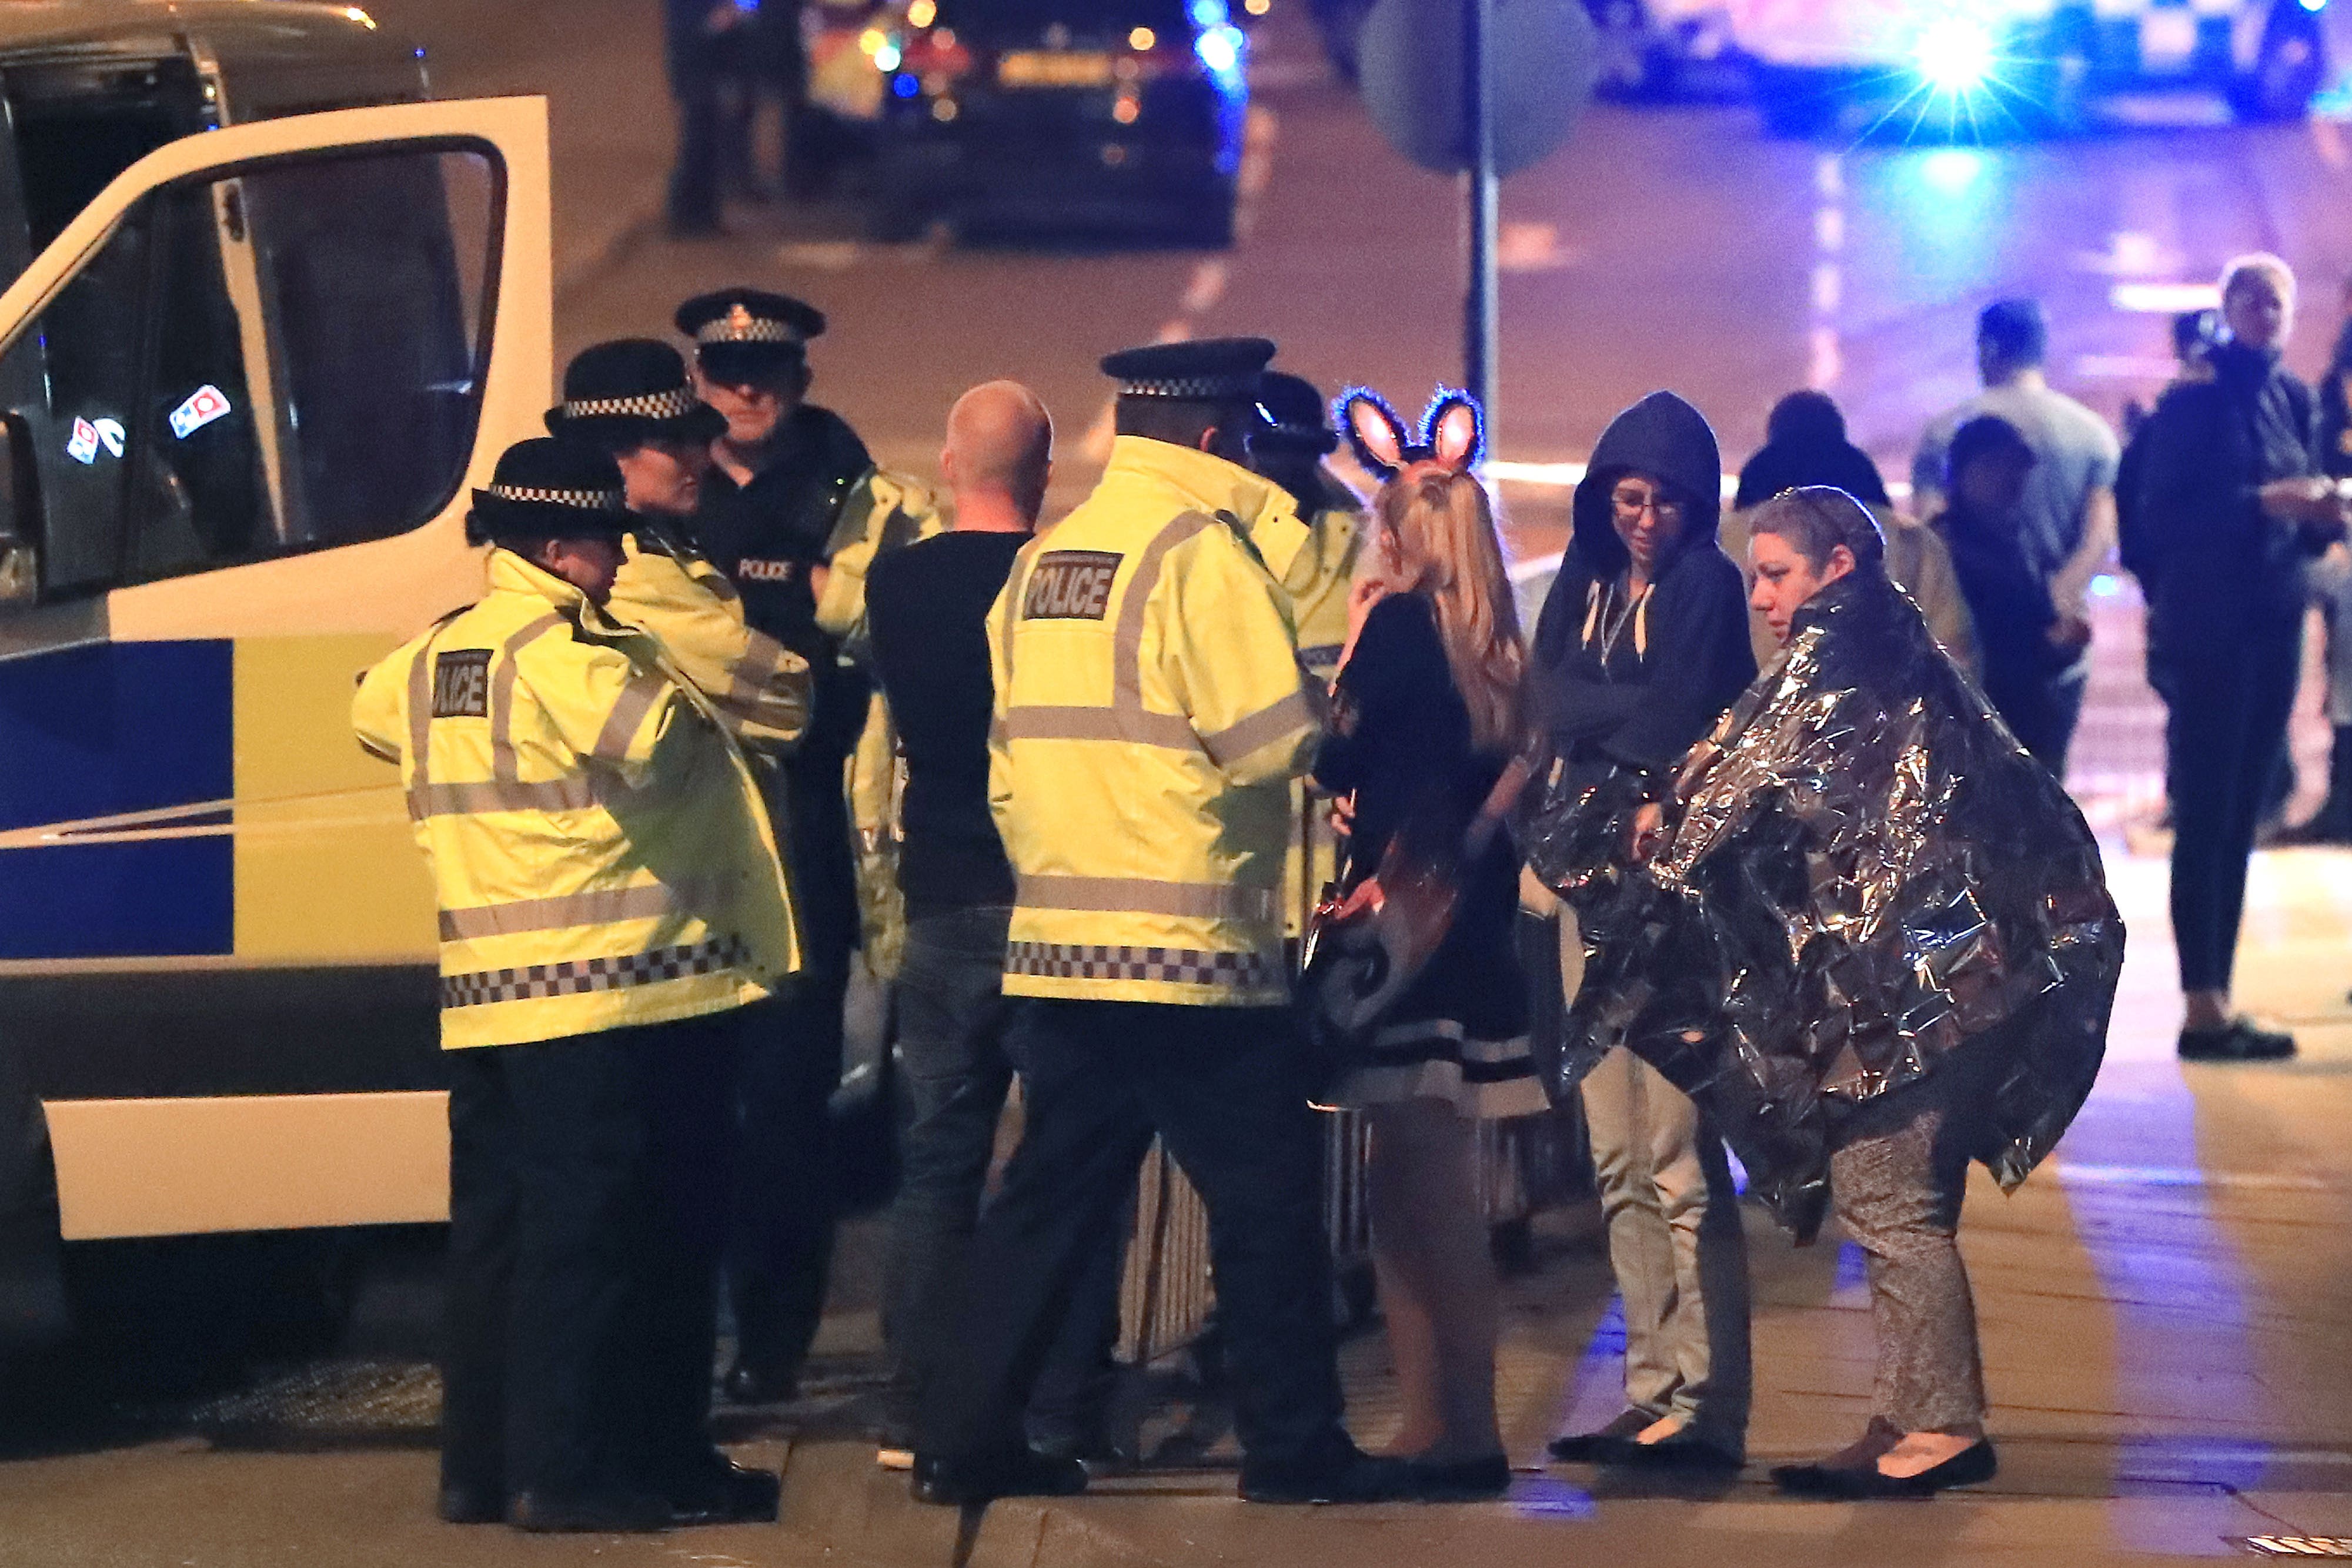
x=957, y=1040
x=2233, y=693
x=2042, y=713
x=779, y=1253
x=587, y=1179
x=1224, y=1088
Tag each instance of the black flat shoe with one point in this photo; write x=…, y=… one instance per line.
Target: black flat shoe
x=1024, y=1472
x=721, y=1492
x=2238, y=1040
x=589, y=1513
x=1682, y=1451
x=748, y=1384
x=1347, y=1475
x=1461, y=1481
x=1971, y=1466
x=1604, y=1446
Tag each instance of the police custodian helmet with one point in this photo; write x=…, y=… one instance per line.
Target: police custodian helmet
x=747, y=333
x=547, y=488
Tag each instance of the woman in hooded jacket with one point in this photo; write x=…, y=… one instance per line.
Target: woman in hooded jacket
x=1642, y=644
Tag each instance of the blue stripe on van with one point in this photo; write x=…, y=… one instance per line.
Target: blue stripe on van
x=100, y=730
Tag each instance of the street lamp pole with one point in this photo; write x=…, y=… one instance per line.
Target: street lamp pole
x=1481, y=317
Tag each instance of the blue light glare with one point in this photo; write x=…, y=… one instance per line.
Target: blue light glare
x=1951, y=170
x=886, y=58
x=1954, y=54
x=1214, y=14
x=1220, y=49
x=904, y=86
x=2313, y=6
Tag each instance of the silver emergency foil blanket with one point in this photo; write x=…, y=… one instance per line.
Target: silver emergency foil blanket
x=1864, y=875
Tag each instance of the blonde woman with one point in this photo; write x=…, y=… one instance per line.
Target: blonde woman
x=1427, y=713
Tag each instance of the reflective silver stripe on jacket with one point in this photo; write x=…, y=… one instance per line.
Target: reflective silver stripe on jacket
x=502, y=752
x=573, y=794
x=1138, y=895
x=1136, y=726
x=636, y=700
x=1262, y=728
x=602, y=907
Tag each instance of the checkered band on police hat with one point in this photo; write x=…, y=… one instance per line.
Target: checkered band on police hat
x=739, y=325
x=1191, y=388
x=675, y=403
x=578, y=500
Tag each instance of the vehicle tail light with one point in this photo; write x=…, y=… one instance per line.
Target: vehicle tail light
x=937, y=57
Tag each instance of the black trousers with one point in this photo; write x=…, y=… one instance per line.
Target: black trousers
x=780, y=1248
x=588, y=1178
x=1223, y=1087
x=2232, y=694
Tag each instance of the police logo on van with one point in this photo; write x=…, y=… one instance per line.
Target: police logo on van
x=461, y=684
x=1070, y=585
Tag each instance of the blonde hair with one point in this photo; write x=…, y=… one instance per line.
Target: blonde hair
x=1447, y=550
x=2241, y=269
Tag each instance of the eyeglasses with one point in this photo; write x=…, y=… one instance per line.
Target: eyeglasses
x=1631, y=503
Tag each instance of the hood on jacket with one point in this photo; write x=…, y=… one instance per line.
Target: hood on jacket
x=1661, y=435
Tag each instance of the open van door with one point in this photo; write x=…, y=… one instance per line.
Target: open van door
x=244, y=398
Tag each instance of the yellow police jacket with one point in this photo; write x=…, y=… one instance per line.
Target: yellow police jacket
x=882, y=512
x=760, y=687
x=1149, y=716
x=1318, y=581
x=596, y=837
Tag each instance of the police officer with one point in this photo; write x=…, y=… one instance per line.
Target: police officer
x=786, y=475
x=632, y=399
x=1290, y=451
x=609, y=894
x=1151, y=717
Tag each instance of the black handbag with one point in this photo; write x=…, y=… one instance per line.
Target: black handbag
x=1361, y=954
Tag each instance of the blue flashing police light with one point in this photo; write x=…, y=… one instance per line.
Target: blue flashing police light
x=1220, y=49
x=1955, y=54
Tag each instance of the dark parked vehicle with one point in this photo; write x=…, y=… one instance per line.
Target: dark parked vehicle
x=1126, y=114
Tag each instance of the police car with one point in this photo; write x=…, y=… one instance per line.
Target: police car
x=1995, y=66
x=274, y=313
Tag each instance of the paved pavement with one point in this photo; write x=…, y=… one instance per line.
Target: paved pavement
x=2164, y=1308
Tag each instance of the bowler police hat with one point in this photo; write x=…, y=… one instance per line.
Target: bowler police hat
x=623, y=395
x=547, y=488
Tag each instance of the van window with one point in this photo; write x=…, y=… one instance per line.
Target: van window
x=282, y=360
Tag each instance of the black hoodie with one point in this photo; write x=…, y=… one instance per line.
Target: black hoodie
x=1678, y=660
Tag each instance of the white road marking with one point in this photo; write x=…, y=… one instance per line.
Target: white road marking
x=2123, y=368
x=1206, y=287
x=2132, y=254
x=2165, y=298
x=1824, y=353
x=1524, y=247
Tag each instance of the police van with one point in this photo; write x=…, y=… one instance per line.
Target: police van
x=274, y=312
x=1993, y=67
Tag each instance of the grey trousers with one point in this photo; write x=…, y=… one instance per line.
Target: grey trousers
x=1899, y=1172
x=1675, y=1241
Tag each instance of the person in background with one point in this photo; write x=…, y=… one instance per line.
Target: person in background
x=1805, y=444
x=1291, y=451
x=2233, y=505
x=1642, y=644
x=927, y=605
x=2331, y=582
x=782, y=473
x=2066, y=515
x=631, y=400
x=1427, y=712
x=2034, y=663
x=610, y=895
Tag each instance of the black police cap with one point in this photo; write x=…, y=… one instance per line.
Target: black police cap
x=749, y=330
x=629, y=391
x=1206, y=370
x=550, y=488
x=1298, y=417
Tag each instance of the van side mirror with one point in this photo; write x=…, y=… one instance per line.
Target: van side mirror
x=20, y=519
